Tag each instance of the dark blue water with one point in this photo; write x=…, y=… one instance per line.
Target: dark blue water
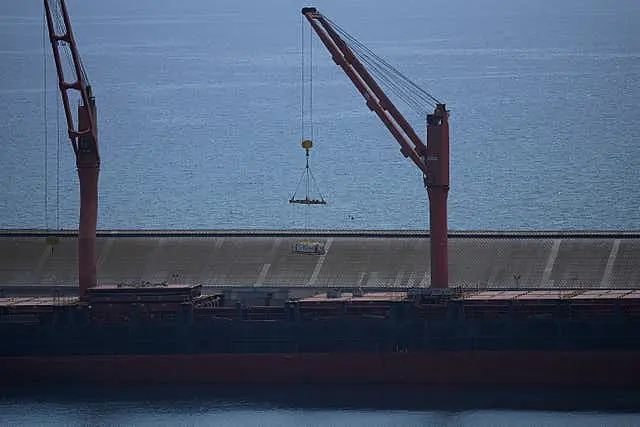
x=318, y=406
x=200, y=125
x=200, y=120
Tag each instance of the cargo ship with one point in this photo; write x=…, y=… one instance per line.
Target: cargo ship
x=177, y=334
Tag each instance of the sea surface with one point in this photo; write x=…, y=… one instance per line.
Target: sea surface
x=200, y=115
x=288, y=406
x=200, y=123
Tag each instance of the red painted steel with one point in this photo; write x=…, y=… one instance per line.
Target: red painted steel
x=569, y=368
x=437, y=183
x=431, y=158
x=84, y=140
x=88, y=171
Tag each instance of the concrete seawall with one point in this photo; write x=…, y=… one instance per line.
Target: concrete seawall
x=337, y=258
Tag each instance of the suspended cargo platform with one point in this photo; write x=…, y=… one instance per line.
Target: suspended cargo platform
x=309, y=180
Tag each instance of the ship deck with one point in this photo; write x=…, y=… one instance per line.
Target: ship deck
x=326, y=259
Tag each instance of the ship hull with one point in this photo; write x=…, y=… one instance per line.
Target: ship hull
x=562, y=368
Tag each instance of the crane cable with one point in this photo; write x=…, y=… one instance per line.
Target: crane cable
x=310, y=181
x=60, y=28
x=302, y=87
x=45, y=124
x=311, y=136
x=303, y=117
x=58, y=143
x=306, y=127
x=302, y=122
x=392, y=79
x=368, y=54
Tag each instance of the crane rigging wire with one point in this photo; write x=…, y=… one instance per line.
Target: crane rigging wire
x=310, y=184
x=306, y=119
x=418, y=92
x=390, y=67
x=58, y=143
x=402, y=92
x=408, y=94
x=311, y=83
x=400, y=87
x=394, y=80
x=45, y=124
x=60, y=29
x=306, y=115
x=302, y=85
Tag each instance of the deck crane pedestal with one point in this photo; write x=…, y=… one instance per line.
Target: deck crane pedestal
x=84, y=137
x=431, y=158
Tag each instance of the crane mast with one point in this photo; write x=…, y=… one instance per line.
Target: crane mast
x=431, y=158
x=83, y=137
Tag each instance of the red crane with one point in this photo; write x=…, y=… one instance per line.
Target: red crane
x=431, y=158
x=84, y=137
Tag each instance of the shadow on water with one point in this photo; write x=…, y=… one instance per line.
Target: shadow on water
x=312, y=397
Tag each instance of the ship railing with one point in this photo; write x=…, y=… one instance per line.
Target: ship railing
x=217, y=311
x=319, y=316
x=373, y=316
x=368, y=311
x=19, y=318
x=208, y=301
x=264, y=313
x=205, y=319
x=484, y=309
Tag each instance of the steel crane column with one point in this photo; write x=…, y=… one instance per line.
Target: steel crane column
x=88, y=170
x=437, y=182
x=84, y=140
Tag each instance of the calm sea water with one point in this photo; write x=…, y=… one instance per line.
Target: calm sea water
x=318, y=406
x=200, y=126
x=200, y=120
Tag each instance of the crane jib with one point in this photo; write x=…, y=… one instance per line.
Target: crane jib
x=431, y=158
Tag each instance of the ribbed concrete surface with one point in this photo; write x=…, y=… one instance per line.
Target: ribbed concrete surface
x=504, y=260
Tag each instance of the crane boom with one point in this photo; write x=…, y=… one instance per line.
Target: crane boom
x=431, y=158
x=84, y=138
